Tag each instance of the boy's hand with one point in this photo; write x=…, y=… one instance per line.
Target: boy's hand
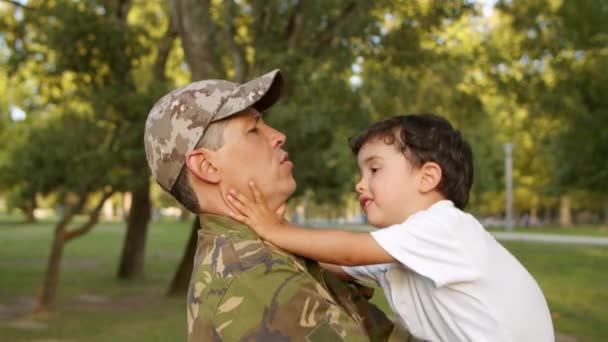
x=255, y=214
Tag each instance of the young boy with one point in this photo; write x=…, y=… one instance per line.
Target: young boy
x=444, y=276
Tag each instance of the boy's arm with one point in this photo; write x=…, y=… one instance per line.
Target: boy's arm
x=328, y=246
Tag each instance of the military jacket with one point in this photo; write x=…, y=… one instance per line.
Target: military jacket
x=245, y=289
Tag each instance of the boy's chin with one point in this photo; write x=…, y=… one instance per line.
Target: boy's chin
x=382, y=223
x=377, y=223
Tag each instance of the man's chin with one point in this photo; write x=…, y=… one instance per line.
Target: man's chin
x=287, y=192
x=292, y=189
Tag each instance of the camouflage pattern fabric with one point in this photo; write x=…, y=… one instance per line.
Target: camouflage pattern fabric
x=244, y=289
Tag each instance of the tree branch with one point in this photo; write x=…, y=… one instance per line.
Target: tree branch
x=18, y=4
x=70, y=212
x=325, y=37
x=237, y=53
x=197, y=31
x=259, y=14
x=122, y=10
x=92, y=221
x=259, y=17
x=292, y=23
x=163, y=50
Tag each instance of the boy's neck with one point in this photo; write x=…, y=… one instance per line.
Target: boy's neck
x=426, y=201
x=431, y=198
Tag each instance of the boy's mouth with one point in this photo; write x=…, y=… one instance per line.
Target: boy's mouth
x=364, y=202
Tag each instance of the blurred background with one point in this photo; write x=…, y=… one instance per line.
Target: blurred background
x=92, y=250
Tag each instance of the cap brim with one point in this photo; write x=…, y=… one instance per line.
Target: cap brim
x=260, y=93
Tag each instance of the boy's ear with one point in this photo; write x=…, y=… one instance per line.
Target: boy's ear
x=430, y=177
x=200, y=163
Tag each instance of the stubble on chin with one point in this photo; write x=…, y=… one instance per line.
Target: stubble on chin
x=281, y=198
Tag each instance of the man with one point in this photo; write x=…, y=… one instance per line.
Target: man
x=202, y=140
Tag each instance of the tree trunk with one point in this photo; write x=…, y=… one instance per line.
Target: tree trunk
x=181, y=279
x=565, y=216
x=547, y=216
x=236, y=51
x=47, y=294
x=28, y=209
x=134, y=247
x=197, y=31
x=62, y=236
x=46, y=298
x=534, y=220
x=29, y=215
x=606, y=211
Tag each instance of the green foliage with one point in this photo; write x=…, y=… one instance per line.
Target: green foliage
x=85, y=107
x=532, y=74
x=53, y=155
x=316, y=46
x=562, y=49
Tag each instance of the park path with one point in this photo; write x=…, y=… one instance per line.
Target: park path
x=552, y=238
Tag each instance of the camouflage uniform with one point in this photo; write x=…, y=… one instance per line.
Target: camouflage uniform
x=244, y=289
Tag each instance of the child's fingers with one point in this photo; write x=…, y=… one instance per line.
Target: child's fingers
x=281, y=211
x=240, y=198
x=236, y=204
x=238, y=217
x=232, y=205
x=257, y=195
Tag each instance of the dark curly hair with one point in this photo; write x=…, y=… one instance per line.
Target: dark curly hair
x=428, y=138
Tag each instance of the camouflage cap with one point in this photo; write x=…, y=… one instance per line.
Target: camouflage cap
x=179, y=119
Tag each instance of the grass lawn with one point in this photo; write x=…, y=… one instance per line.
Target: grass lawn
x=93, y=305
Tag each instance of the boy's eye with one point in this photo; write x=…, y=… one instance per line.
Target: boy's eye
x=374, y=169
x=254, y=130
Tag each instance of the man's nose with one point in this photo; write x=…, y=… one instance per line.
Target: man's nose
x=277, y=138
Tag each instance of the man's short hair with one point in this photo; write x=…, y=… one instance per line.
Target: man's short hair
x=181, y=190
x=428, y=138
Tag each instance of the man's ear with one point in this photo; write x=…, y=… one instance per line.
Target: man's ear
x=200, y=163
x=430, y=173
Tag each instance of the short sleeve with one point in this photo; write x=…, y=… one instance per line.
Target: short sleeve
x=365, y=273
x=429, y=247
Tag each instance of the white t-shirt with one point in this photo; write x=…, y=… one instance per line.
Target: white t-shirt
x=454, y=282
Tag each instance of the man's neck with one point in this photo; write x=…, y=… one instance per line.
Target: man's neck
x=225, y=225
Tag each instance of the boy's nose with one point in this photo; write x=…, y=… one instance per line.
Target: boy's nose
x=359, y=186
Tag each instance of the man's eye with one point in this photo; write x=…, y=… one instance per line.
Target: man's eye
x=374, y=169
x=254, y=130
